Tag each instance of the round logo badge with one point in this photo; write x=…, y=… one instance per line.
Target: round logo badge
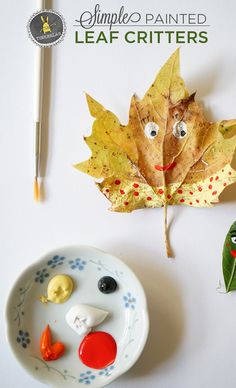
x=46, y=28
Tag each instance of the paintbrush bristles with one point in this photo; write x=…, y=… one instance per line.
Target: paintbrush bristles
x=36, y=190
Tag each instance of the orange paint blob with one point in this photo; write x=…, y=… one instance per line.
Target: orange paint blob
x=49, y=351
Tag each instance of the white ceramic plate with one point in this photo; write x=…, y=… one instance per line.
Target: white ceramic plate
x=27, y=317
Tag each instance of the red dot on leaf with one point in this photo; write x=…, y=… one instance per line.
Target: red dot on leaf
x=180, y=191
x=211, y=179
x=214, y=193
x=149, y=198
x=191, y=193
x=107, y=190
x=136, y=193
x=210, y=187
x=117, y=182
x=216, y=178
x=182, y=200
x=230, y=173
x=225, y=184
x=160, y=191
x=223, y=170
x=126, y=203
x=122, y=191
x=136, y=185
x=228, y=245
x=169, y=196
x=197, y=200
x=205, y=201
x=190, y=203
x=199, y=188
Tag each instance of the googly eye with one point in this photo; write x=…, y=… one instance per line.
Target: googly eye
x=180, y=129
x=233, y=239
x=151, y=130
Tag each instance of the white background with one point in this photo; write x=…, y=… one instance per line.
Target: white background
x=192, y=337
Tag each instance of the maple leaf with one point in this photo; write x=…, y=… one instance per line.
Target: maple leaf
x=167, y=154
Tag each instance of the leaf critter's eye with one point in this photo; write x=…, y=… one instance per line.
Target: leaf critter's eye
x=180, y=129
x=107, y=284
x=233, y=239
x=151, y=130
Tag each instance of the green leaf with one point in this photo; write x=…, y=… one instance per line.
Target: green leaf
x=229, y=259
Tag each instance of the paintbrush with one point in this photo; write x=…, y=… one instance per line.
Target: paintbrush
x=38, y=113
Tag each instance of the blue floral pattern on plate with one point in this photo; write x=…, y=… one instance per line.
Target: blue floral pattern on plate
x=77, y=264
x=41, y=275
x=87, y=377
x=23, y=338
x=107, y=371
x=55, y=261
x=130, y=301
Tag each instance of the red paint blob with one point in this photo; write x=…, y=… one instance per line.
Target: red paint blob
x=117, y=182
x=136, y=193
x=126, y=203
x=97, y=350
x=169, y=196
x=122, y=191
x=149, y=198
x=136, y=185
x=191, y=193
x=233, y=253
x=199, y=188
x=210, y=187
x=107, y=190
x=225, y=184
x=197, y=200
x=211, y=179
x=160, y=191
x=230, y=173
x=216, y=178
x=214, y=193
x=180, y=191
x=190, y=203
x=182, y=200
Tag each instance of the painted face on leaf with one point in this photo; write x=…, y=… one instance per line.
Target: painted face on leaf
x=166, y=146
x=230, y=242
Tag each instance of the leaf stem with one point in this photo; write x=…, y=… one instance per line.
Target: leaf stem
x=231, y=277
x=168, y=250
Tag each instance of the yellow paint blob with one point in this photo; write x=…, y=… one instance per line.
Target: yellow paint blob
x=59, y=289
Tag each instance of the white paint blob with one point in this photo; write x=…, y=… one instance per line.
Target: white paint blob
x=82, y=318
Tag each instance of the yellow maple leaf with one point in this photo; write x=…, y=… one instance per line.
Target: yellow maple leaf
x=167, y=154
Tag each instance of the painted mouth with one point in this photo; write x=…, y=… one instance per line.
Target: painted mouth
x=166, y=167
x=233, y=253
